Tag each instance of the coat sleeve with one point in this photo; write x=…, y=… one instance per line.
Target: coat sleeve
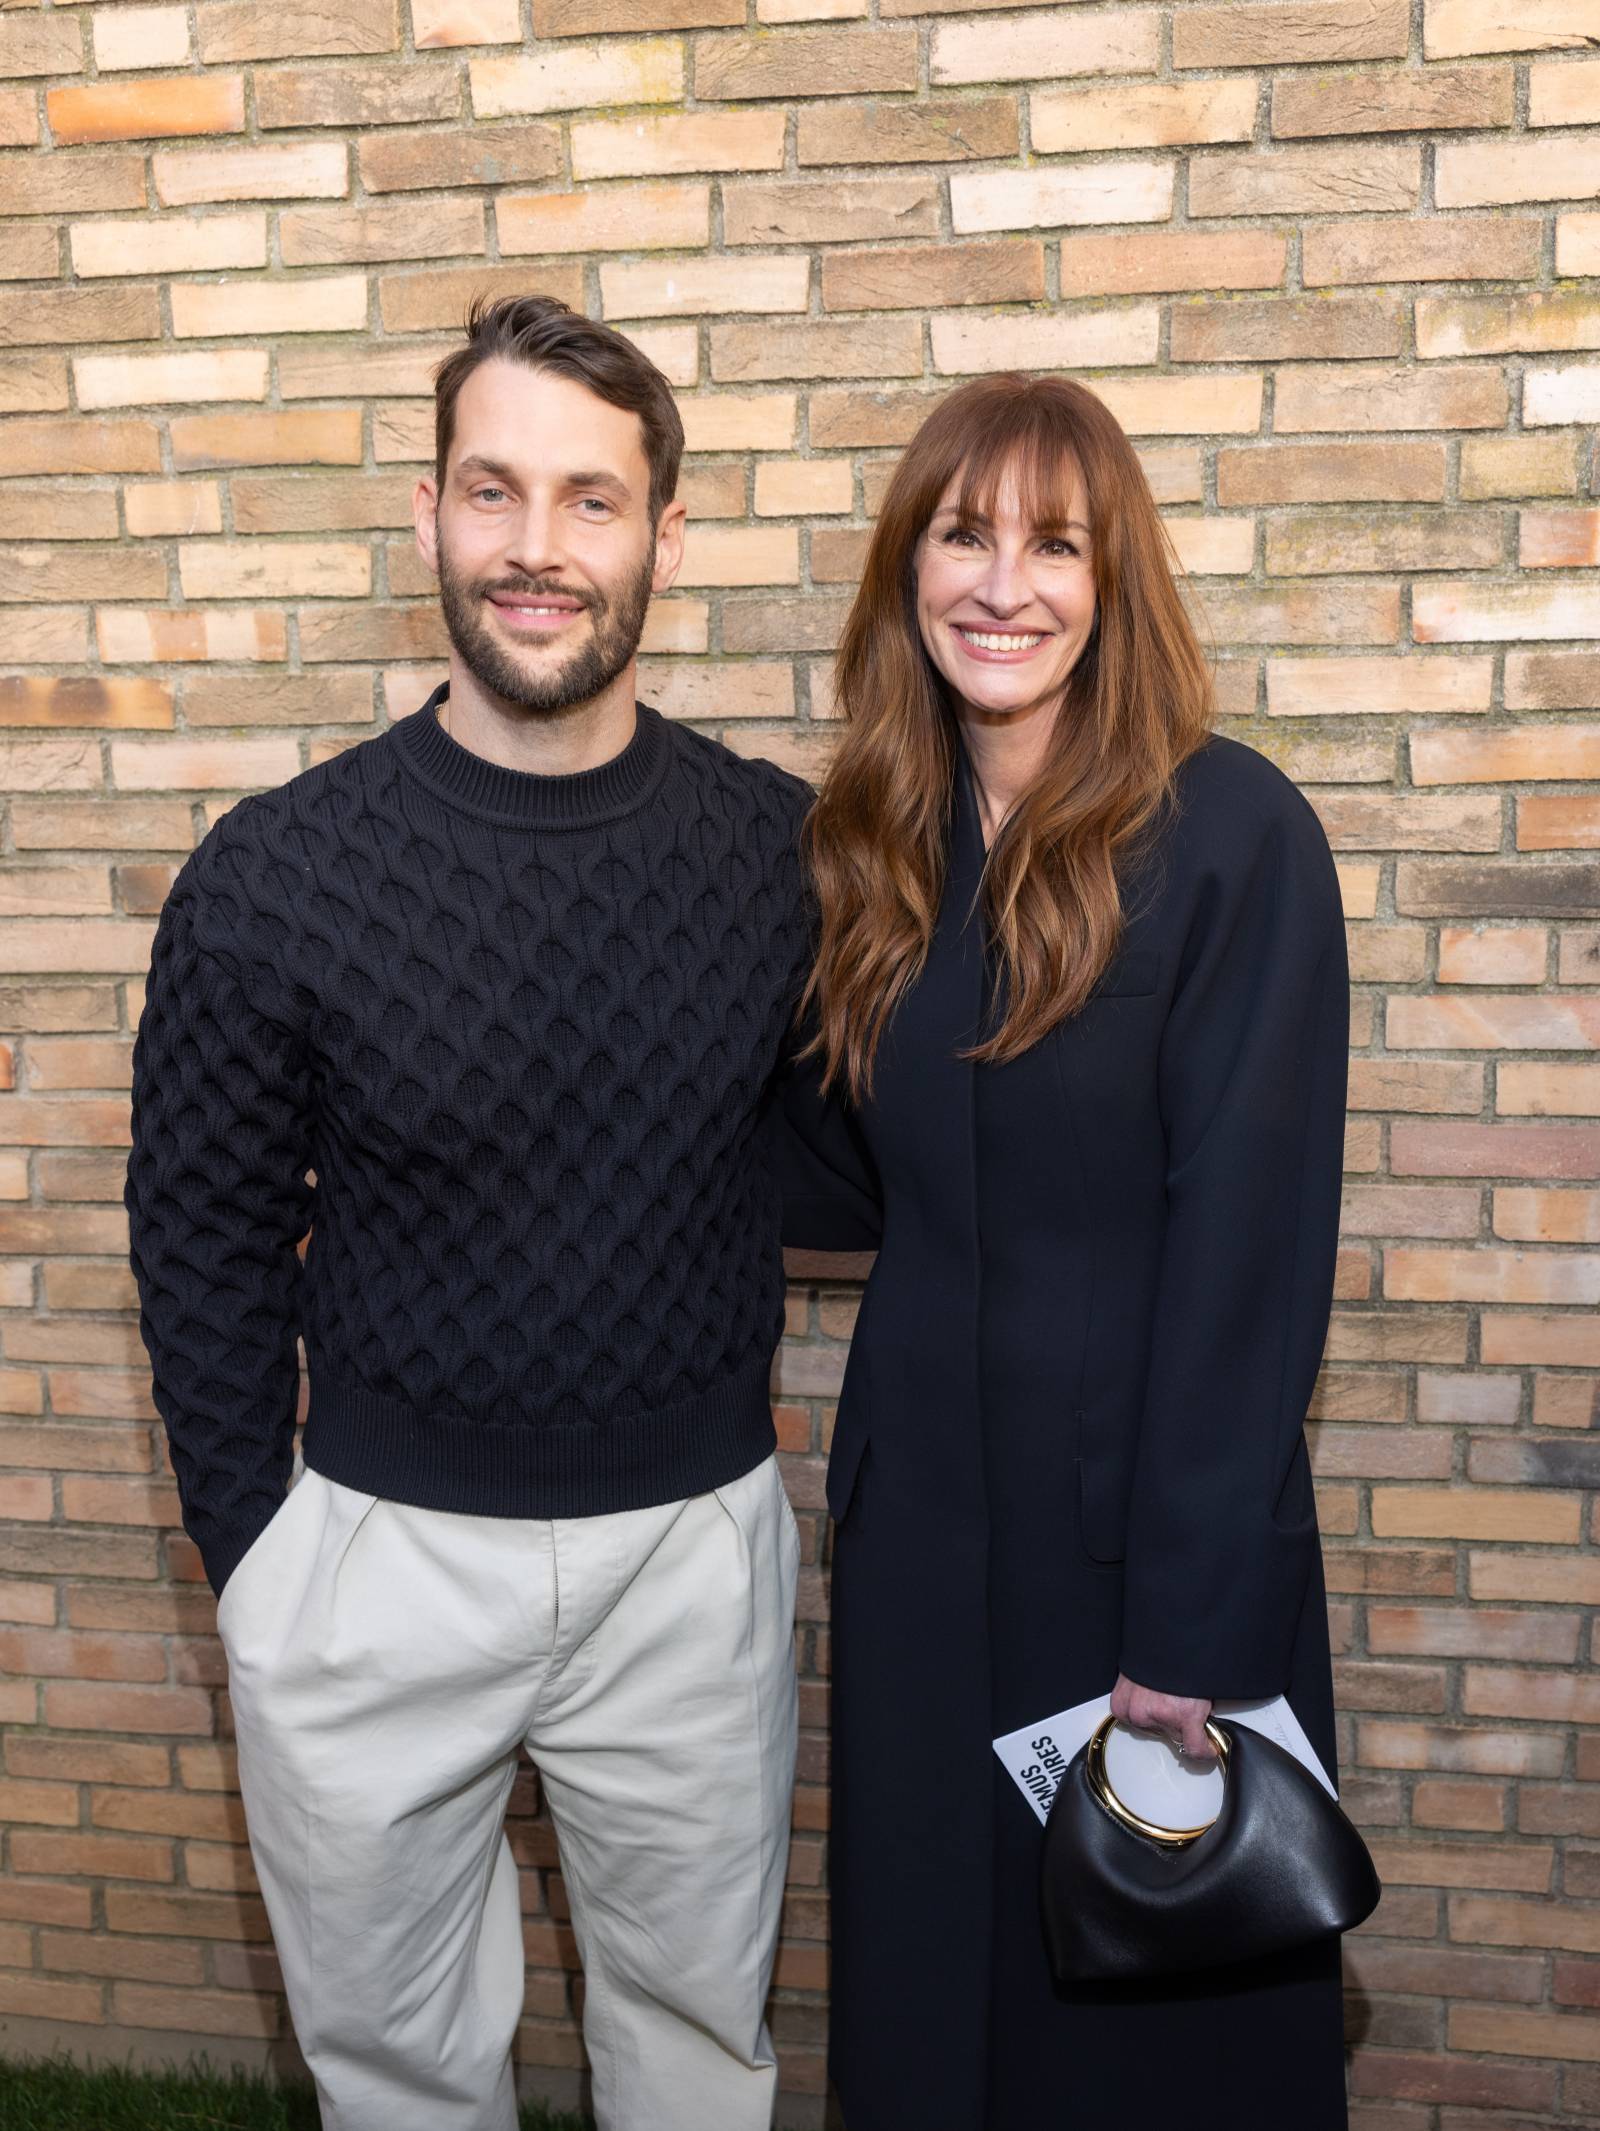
x=218, y=1203
x=829, y=1183
x=1222, y=1532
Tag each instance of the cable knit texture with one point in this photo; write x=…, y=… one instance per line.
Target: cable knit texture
x=520, y=1030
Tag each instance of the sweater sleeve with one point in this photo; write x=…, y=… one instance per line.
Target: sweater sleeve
x=218, y=1203
x=1222, y=1527
x=831, y=1198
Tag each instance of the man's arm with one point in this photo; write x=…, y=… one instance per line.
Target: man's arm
x=218, y=1204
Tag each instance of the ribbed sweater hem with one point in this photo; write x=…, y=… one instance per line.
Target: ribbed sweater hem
x=524, y=1469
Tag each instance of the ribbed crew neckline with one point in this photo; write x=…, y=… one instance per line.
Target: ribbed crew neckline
x=521, y=798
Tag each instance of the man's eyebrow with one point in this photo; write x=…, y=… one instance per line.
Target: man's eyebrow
x=580, y=477
x=1049, y=525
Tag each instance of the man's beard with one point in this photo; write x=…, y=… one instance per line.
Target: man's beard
x=547, y=684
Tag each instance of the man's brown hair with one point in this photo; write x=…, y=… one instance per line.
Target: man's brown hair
x=546, y=334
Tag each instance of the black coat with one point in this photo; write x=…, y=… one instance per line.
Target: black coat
x=1069, y=1443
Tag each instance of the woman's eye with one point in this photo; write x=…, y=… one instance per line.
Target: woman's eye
x=960, y=532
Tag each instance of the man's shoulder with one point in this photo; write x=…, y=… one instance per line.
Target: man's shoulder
x=268, y=837
x=769, y=795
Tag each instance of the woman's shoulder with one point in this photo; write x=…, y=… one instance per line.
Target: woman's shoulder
x=1232, y=802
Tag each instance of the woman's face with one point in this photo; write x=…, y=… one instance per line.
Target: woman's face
x=1005, y=609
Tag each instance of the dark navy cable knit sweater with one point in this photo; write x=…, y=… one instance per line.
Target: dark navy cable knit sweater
x=520, y=1029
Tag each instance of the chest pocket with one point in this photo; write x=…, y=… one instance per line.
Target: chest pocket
x=1130, y=976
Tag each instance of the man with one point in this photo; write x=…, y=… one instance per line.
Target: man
x=511, y=980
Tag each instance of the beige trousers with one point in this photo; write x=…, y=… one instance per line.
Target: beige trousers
x=386, y=1662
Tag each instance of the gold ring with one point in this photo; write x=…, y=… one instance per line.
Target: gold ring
x=1100, y=1785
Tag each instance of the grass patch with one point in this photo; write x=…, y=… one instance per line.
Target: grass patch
x=54, y=2094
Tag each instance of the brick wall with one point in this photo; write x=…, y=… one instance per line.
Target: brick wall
x=1326, y=260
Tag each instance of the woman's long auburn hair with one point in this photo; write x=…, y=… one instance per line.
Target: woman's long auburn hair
x=1136, y=704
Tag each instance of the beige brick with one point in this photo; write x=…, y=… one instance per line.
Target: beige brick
x=87, y=699
x=137, y=636
x=1469, y=612
x=1518, y=466
x=784, y=63
x=222, y=569
x=1372, y=178
x=19, y=118
x=1564, y=93
x=41, y=44
x=1442, y=249
x=47, y=635
x=230, y=765
x=647, y=72
x=833, y=211
x=1305, y=614
x=1578, y=244
x=1303, y=33
x=954, y=130
x=1568, y=393
x=1321, y=544
x=1505, y=954
x=964, y=343
x=778, y=282
x=33, y=384
x=1474, y=1513
x=51, y=512
x=741, y=555
x=1514, y=2032
x=1434, y=1275
x=1535, y=321
x=1455, y=28
x=49, y=571
x=207, y=310
x=53, y=185
x=740, y=421
x=1570, y=1341
x=391, y=229
x=1044, y=45
x=1079, y=121
x=889, y=347
x=295, y=29
x=1537, y=1090
x=417, y=303
x=1049, y=197
x=1237, y=329
x=1357, y=396
x=140, y=37
x=743, y=688
x=1361, y=821
x=277, y=699
x=1517, y=754
x=1332, y=473
x=1558, y=540
x=312, y=503
x=145, y=110
x=452, y=22
x=1213, y=547
x=680, y=142
x=914, y=277
x=792, y=488
x=321, y=436
x=303, y=170
x=609, y=218
x=1385, y=687
x=74, y=316
x=187, y=245
x=1559, y=822
x=1182, y=406
x=356, y=96
x=1500, y=173
x=173, y=379
x=29, y=251
x=1396, y=100
x=482, y=155
x=156, y=508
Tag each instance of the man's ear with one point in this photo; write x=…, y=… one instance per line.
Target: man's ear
x=669, y=546
x=425, y=512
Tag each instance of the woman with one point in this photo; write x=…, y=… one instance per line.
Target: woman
x=1081, y=991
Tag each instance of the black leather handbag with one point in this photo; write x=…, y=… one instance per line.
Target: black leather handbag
x=1122, y=1899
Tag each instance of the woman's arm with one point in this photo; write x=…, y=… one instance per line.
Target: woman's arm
x=1222, y=1528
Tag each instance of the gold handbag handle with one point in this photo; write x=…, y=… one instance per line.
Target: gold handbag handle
x=1099, y=1783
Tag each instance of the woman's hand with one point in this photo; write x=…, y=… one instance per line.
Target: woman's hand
x=1181, y=1717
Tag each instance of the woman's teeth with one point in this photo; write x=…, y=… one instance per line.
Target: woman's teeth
x=1000, y=643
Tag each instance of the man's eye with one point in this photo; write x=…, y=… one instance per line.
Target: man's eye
x=598, y=499
x=485, y=495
